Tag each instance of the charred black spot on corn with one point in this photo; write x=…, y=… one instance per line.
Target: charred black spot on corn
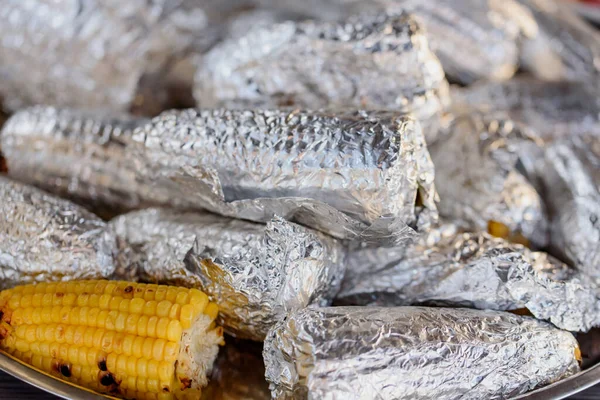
x=102, y=365
x=186, y=383
x=128, y=289
x=62, y=368
x=107, y=379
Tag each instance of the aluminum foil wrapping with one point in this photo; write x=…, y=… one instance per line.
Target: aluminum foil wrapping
x=80, y=155
x=238, y=373
x=474, y=39
x=480, y=180
x=566, y=47
x=471, y=270
x=356, y=174
x=571, y=179
x=372, y=61
x=552, y=109
x=413, y=352
x=99, y=54
x=254, y=272
x=44, y=238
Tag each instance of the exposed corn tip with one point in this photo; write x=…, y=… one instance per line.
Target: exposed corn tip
x=120, y=338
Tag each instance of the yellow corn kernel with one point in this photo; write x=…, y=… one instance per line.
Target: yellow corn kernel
x=174, y=330
x=174, y=311
x=136, y=305
x=105, y=335
x=142, y=325
x=186, y=316
x=162, y=327
x=212, y=310
x=151, y=329
x=163, y=308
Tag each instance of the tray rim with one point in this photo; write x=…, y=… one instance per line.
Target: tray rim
x=65, y=390
x=38, y=379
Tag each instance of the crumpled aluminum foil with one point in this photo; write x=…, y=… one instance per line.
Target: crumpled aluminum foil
x=474, y=39
x=101, y=54
x=481, y=181
x=566, y=47
x=44, y=238
x=238, y=373
x=554, y=110
x=413, y=352
x=571, y=181
x=355, y=174
x=254, y=272
x=373, y=61
x=84, y=156
x=474, y=270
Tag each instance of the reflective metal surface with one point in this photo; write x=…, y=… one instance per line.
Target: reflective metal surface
x=45, y=382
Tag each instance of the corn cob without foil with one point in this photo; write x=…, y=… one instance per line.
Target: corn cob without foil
x=130, y=340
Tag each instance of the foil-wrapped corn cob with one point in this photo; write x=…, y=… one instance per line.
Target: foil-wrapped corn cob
x=79, y=155
x=373, y=61
x=44, y=238
x=131, y=340
x=349, y=174
x=474, y=39
x=479, y=180
x=412, y=352
x=255, y=273
x=474, y=270
x=571, y=182
x=554, y=110
x=102, y=54
x=565, y=48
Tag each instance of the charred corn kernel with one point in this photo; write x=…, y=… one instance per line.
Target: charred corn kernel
x=113, y=337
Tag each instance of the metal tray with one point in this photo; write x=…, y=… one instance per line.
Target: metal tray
x=559, y=390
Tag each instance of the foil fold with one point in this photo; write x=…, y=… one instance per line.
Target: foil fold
x=473, y=39
x=554, y=110
x=566, y=46
x=374, y=61
x=571, y=182
x=449, y=268
x=413, y=352
x=103, y=54
x=84, y=156
x=360, y=174
x=45, y=238
x=481, y=168
x=254, y=272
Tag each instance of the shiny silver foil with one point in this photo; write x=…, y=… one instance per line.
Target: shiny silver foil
x=254, y=272
x=571, y=181
x=101, y=54
x=471, y=270
x=413, y=352
x=474, y=39
x=372, y=61
x=355, y=174
x=44, y=238
x=554, y=110
x=480, y=180
x=81, y=155
x=566, y=47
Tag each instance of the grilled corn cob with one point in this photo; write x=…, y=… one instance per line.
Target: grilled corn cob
x=131, y=340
